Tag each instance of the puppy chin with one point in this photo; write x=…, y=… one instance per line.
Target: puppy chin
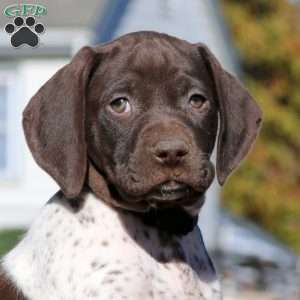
x=169, y=193
x=191, y=204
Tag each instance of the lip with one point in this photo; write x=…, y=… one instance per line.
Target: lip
x=171, y=191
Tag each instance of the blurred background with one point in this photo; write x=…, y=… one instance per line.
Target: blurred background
x=252, y=225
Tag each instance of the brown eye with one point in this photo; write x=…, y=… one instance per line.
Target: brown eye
x=120, y=105
x=197, y=101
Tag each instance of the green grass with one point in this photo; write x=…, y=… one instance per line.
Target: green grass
x=8, y=239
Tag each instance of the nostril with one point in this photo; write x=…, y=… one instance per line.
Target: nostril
x=181, y=152
x=162, y=154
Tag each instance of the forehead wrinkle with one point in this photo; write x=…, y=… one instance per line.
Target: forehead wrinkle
x=151, y=56
x=154, y=55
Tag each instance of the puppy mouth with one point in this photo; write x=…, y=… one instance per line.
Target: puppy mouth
x=172, y=191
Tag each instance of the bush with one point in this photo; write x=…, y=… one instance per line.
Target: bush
x=8, y=239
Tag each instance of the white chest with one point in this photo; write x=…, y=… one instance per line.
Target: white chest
x=97, y=253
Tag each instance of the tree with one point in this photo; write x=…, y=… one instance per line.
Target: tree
x=267, y=186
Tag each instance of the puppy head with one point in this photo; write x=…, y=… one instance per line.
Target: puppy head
x=143, y=112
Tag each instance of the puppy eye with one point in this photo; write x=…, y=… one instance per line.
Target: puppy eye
x=197, y=101
x=120, y=105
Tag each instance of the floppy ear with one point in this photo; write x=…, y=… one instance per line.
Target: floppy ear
x=240, y=116
x=54, y=123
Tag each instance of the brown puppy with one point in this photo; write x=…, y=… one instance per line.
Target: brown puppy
x=136, y=121
x=145, y=102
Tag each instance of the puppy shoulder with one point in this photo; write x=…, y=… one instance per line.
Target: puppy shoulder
x=21, y=266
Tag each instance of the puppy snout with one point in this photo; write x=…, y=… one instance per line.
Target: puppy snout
x=171, y=151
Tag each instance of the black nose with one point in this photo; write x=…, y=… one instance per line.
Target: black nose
x=171, y=151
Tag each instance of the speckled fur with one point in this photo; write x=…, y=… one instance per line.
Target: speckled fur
x=88, y=250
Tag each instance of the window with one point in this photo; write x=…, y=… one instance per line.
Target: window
x=9, y=131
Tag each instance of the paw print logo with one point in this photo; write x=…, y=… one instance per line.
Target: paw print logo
x=24, y=31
